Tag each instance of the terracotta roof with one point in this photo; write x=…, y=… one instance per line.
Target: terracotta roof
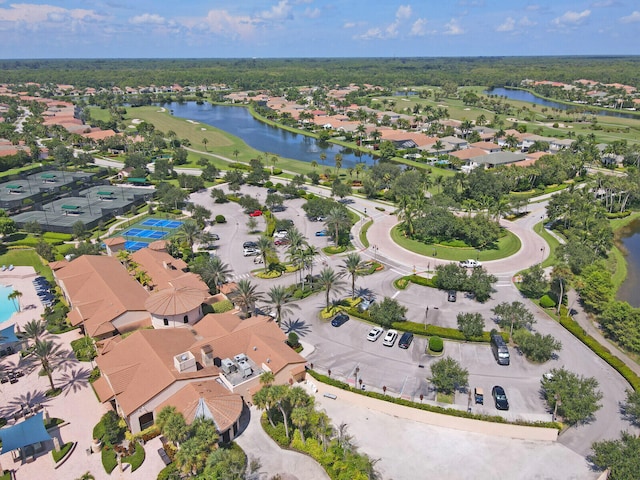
x=158, y=245
x=114, y=241
x=100, y=289
x=166, y=271
x=103, y=389
x=209, y=399
x=468, y=153
x=174, y=301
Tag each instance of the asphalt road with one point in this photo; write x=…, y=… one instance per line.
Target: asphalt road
x=405, y=372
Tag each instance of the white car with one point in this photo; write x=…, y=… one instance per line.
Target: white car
x=470, y=263
x=250, y=251
x=390, y=338
x=281, y=234
x=374, y=334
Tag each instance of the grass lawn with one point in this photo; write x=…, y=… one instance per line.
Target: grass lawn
x=363, y=233
x=136, y=459
x=507, y=246
x=552, y=243
x=26, y=256
x=59, y=454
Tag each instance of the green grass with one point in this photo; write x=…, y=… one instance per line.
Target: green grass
x=136, y=459
x=84, y=349
x=101, y=114
x=552, y=244
x=28, y=257
x=6, y=475
x=363, y=233
x=109, y=461
x=59, y=454
x=445, y=397
x=507, y=246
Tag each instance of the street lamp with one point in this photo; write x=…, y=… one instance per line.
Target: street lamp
x=542, y=251
x=356, y=374
x=375, y=252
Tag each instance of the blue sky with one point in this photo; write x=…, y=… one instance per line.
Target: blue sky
x=316, y=28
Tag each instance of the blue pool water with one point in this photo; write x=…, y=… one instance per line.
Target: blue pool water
x=7, y=307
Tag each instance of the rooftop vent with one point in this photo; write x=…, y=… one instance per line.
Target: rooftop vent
x=185, y=362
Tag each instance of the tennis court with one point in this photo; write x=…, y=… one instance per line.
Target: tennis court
x=143, y=233
x=156, y=222
x=134, y=246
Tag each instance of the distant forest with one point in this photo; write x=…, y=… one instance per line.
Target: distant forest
x=247, y=74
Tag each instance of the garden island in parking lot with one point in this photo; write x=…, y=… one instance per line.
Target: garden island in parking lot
x=297, y=246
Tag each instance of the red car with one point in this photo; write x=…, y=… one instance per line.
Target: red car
x=256, y=213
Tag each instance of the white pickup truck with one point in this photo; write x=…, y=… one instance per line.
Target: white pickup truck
x=470, y=263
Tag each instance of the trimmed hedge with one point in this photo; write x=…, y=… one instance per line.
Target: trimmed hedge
x=603, y=352
x=436, y=344
x=430, y=408
x=547, y=302
x=222, y=306
x=64, y=237
x=418, y=280
x=220, y=219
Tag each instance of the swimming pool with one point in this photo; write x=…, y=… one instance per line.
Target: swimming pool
x=7, y=308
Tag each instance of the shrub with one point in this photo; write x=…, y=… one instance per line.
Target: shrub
x=222, y=306
x=277, y=171
x=278, y=433
x=425, y=282
x=220, y=219
x=547, y=302
x=84, y=349
x=94, y=375
x=292, y=339
x=401, y=283
x=169, y=472
x=136, y=459
x=436, y=344
x=59, y=454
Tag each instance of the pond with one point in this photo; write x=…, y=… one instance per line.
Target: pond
x=524, y=96
x=238, y=122
x=629, y=237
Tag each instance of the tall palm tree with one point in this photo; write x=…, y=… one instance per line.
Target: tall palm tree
x=330, y=280
x=309, y=253
x=266, y=247
x=188, y=232
x=352, y=265
x=337, y=220
x=213, y=271
x=280, y=299
x=15, y=296
x=299, y=418
x=34, y=329
x=338, y=161
x=246, y=296
x=267, y=378
x=46, y=352
x=205, y=140
x=262, y=400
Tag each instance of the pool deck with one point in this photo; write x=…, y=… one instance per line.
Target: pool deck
x=20, y=279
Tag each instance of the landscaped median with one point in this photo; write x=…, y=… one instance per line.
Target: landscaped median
x=439, y=416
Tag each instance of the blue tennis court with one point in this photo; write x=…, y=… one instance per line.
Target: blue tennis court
x=134, y=246
x=142, y=233
x=156, y=222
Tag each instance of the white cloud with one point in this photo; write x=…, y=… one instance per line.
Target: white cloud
x=371, y=34
x=633, y=18
x=419, y=28
x=403, y=12
x=40, y=14
x=508, y=25
x=147, y=19
x=311, y=12
x=525, y=22
x=221, y=22
x=452, y=28
x=278, y=12
x=349, y=25
x=571, y=18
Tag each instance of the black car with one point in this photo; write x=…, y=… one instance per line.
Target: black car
x=249, y=245
x=452, y=296
x=500, y=398
x=405, y=340
x=339, y=319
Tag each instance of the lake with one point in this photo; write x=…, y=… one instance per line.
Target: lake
x=238, y=122
x=630, y=239
x=525, y=96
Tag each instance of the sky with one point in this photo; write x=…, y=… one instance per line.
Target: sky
x=316, y=28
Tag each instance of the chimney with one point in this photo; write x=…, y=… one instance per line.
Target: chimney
x=206, y=354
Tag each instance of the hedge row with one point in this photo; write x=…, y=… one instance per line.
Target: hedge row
x=603, y=352
x=65, y=237
x=430, y=408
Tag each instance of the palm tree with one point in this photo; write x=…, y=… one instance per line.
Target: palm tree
x=323, y=157
x=204, y=142
x=314, y=165
x=278, y=396
x=235, y=153
x=262, y=400
x=124, y=256
x=351, y=265
x=280, y=298
x=329, y=280
x=34, y=329
x=274, y=160
x=307, y=258
x=188, y=232
x=214, y=272
x=46, y=351
x=338, y=160
x=438, y=146
x=267, y=378
x=14, y=296
x=266, y=247
x=337, y=219
x=299, y=416
x=246, y=295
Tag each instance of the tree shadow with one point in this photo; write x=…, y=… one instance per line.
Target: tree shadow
x=365, y=292
x=29, y=398
x=76, y=379
x=300, y=327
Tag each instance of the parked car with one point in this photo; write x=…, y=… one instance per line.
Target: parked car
x=405, y=340
x=256, y=213
x=364, y=305
x=281, y=241
x=251, y=251
x=345, y=201
x=500, y=398
x=452, y=296
x=390, y=338
x=214, y=236
x=374, y=334
x=478, y=395
x=339, y=319
x=322, y=233
x=281, y=234
x=249, y=245
x=278, y=208
x=470, y=263
x=321, y=218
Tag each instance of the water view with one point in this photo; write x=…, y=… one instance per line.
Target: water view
x=630, y=239
x=524, y=96
x=7, y=306
x=239, y=122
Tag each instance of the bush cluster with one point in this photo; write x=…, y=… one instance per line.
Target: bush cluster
x=436, y=344
x=547, y=302
x=222, y=306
